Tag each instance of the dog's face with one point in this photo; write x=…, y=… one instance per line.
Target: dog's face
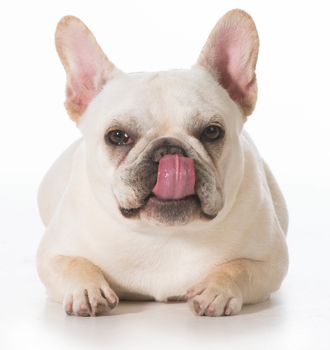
x=138, y=119
x=163, y=147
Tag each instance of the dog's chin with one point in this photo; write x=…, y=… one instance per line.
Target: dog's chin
x=168, y=212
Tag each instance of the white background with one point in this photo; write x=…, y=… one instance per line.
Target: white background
x=291, y=127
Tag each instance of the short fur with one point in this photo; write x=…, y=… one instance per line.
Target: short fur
x=222, y=250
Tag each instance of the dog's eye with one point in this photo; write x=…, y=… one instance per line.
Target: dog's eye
x=212, y=133
x=117, y=137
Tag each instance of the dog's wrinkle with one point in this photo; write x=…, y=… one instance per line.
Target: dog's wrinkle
x=139, y=178
x=135, y=209
x=164, y=150
x=208, y=189
x=129, y=213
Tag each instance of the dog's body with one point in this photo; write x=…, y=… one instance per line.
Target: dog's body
x=111, y=232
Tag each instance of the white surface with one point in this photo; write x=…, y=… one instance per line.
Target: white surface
x=291, y=127
x=296, y=317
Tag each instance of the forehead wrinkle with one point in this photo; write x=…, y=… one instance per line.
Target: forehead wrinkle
x=199, y=121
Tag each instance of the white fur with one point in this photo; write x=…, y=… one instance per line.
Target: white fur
x=240, y=256
x=139, y=257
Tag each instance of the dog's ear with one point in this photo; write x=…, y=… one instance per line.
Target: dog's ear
x=230, y=54
x=87, y=68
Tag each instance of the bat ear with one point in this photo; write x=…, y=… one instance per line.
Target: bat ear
x=87, y=67
x=230, y=54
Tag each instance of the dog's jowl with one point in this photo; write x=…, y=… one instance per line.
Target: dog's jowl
x=165, y=196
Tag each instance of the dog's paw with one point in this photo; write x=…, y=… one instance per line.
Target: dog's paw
x=213, y=298
x=90, y=301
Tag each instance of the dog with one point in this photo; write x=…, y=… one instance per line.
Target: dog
x=165, y=197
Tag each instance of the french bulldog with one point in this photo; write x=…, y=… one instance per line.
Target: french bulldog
x=165, y=197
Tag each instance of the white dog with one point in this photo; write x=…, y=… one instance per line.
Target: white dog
x=165, y=197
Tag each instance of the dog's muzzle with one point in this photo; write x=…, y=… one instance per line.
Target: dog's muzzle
x=168, y=172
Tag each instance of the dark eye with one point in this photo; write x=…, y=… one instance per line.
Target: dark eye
x=212, y=133
x=117, y=137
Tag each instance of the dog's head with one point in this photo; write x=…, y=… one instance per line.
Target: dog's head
x=163, y=147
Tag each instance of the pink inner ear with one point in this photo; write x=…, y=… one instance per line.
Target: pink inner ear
x=79, y=94
x=86, y=67
x=230, y=58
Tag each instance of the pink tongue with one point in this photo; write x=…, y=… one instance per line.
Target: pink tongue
x=176, y=177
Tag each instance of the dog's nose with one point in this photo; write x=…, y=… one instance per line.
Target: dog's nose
x=165, y=149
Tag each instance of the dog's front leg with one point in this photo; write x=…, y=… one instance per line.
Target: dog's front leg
x=228, y=286
x=78, y=284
